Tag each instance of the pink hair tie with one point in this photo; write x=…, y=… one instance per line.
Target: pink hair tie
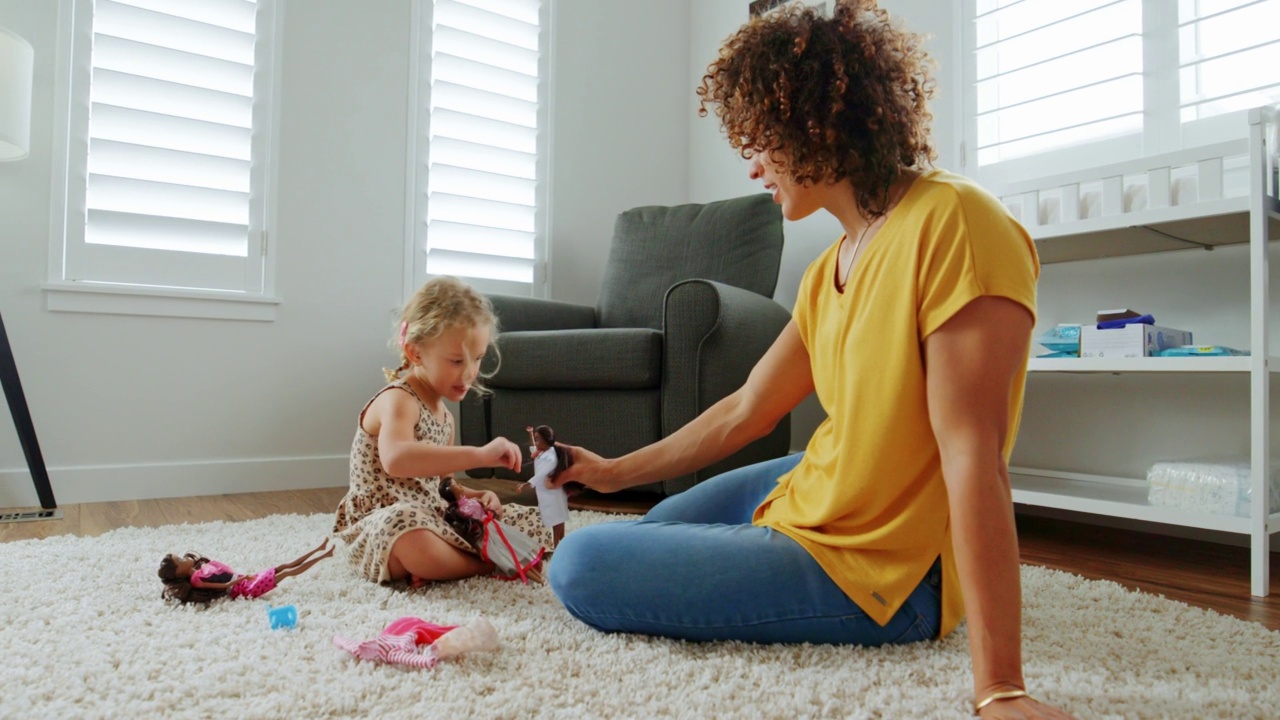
x=404, y=329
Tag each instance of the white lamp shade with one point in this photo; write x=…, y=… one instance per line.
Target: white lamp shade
x=16, y=62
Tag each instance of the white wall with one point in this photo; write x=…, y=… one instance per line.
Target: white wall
x=136, y=407
x=620, y=127
x=717, y=172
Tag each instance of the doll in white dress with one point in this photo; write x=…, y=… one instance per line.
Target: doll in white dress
x=553, y=504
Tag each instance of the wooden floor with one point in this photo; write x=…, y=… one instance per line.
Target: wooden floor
x=1206, y=575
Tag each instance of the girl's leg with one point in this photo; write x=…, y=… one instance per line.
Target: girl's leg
x=425, y=555
x=290, y=570
x=557, y=534
x=730, y=498
x=720, y=582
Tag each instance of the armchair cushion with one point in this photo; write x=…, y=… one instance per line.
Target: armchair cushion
x=589, y=359
x=516, y=313
x=737, y=242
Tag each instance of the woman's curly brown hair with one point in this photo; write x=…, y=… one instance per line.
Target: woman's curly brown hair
x=827, y=98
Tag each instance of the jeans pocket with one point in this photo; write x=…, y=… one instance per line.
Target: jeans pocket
x=921, y=629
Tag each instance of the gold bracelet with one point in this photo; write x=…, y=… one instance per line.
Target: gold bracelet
x=1004, y=695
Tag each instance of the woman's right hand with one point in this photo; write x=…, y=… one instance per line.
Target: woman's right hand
x=501, y=452
x=585, y=468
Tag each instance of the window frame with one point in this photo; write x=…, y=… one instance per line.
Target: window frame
x=62, y=291
x=1162, y=128
x=417, y=179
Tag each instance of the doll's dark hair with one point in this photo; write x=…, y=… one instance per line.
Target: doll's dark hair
x=562, y=453
x=547, y=434
x=179, y=588
x=470, y=529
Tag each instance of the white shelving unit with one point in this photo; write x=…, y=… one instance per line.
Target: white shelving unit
x=1050, y=209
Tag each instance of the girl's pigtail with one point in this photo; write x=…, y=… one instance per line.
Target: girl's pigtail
x=392, y=375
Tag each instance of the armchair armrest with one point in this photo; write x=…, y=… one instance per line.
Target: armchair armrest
x=714, y=334
x=516, y=313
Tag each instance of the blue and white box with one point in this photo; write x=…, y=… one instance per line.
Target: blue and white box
x=1130, y=341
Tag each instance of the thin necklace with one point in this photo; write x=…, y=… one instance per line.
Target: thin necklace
x=853, y=256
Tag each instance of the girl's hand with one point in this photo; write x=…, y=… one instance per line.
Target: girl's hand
x=501, y=452
x=490, y=501
x=1023, y=708
x=487, y=498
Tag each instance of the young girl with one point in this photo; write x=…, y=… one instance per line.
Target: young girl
x=193, y=578
x=553, y=503
x=393, y=515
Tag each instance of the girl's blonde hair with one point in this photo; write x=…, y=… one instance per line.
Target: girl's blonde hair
x=442, y=304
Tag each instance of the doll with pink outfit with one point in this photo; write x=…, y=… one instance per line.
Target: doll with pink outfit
x=193, y=578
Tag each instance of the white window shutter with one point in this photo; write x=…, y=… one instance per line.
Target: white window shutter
x=1053, y=85
x=483, y=140
x=1052, y=74
x=172, y=176
x=1229, y=56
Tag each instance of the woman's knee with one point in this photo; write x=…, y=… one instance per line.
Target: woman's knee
x=566, y=573
x=581, y=565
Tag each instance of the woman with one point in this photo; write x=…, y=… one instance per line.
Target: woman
x=914, y=331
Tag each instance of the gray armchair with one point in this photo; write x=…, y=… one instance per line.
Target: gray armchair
x=685, y=311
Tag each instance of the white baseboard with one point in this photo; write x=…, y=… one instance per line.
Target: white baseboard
x=107, y=483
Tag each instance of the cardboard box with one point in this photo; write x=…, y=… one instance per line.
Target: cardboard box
x=1129, y=341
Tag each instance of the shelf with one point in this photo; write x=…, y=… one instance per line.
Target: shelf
x=1181, y=227
x=1208, y=221
x=1237, y=364
x=1114, y=497
x=1230, y=364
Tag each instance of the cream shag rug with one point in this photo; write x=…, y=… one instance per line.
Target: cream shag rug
x=86, y=635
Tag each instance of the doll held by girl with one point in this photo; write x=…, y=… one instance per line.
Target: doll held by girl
x=193, y=578
x=513, y=554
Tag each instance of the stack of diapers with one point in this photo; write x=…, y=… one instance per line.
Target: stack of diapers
x=1223, y=487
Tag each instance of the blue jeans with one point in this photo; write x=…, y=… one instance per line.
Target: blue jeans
x=696, y=568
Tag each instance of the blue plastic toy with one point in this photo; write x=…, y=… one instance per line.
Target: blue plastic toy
x=285, y=616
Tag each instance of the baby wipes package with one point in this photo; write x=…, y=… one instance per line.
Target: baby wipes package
x=1214, y=486
x=1062, y=340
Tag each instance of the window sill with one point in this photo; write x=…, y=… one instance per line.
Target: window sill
x=160, y=302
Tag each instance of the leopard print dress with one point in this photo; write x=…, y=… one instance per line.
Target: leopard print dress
x=379, y=508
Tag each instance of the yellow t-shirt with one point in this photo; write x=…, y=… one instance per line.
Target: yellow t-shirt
x=868, y=501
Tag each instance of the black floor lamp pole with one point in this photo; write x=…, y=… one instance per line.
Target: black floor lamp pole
x=22, y=421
